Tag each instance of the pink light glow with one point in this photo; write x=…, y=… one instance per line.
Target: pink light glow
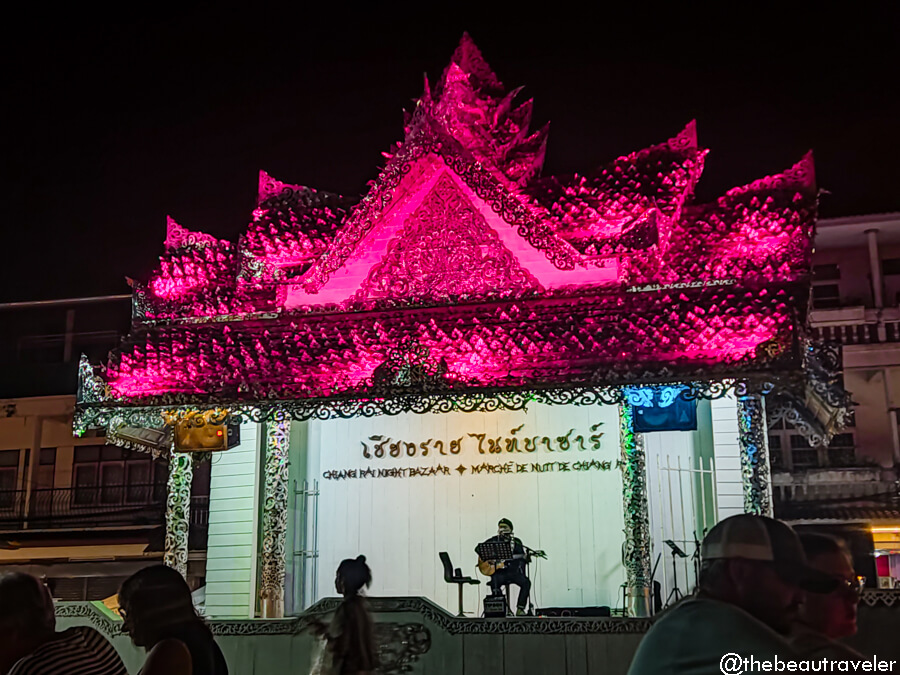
x=505, y=274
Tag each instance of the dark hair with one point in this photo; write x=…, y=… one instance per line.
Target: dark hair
x=355, y=574
x=505, y=521
x=25, y=603
x=157, y=601
x=816, y=544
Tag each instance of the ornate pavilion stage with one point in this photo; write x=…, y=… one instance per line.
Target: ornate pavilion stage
x=593, y=356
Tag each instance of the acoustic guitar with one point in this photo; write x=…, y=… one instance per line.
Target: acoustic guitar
x=489, y=567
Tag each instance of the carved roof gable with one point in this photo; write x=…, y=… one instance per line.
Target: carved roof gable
x=424, y=207
x=446, y=249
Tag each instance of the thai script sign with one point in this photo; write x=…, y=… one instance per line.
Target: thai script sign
x=379, y=447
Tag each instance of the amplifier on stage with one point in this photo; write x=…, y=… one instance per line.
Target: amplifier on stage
x=495, y=606
x=596, y=612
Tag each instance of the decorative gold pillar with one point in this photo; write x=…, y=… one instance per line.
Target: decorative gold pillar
x=178, y=511
x=274, y=517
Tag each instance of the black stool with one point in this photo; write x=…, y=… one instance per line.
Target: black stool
x=454, y=576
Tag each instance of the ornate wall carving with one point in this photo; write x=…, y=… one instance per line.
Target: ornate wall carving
x=636, y=509
x=754, y=442
x=274, y=517
x=178, y=511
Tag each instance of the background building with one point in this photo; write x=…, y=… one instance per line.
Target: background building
x=77, y=511
x=852, y=484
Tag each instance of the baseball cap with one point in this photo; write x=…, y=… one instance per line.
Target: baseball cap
x=753, y=537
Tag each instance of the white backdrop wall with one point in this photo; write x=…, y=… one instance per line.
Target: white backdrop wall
x=402, y=523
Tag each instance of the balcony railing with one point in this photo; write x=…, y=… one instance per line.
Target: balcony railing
x=860, y=334
x=83, y=507
x=856, y=325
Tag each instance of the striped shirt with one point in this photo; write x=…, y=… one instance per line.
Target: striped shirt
x=76, y=651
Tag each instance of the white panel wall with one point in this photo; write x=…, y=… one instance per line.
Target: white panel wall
x=401, y=524
x=677, y=498
x=231, y=556
x=728, y=457
x=671, y=505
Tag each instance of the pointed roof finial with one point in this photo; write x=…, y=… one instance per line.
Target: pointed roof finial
x=467, y=57
x=179, y=237
x=686, y=138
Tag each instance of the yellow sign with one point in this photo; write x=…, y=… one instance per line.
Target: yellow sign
x=201, y=432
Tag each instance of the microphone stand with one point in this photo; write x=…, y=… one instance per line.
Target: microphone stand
x=528, y=552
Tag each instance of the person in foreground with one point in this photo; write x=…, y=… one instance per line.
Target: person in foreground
x=824, y=618
x=29, y=643
x=752, y=576
x=158, y=613
x=349, y=642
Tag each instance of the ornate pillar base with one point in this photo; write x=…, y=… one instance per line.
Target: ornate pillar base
x=754, y=441
x=637, y=602
x=274, y=520
x=272, y=608
x=178, y=511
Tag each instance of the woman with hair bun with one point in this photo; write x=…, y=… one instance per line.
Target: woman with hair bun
x=349, y=644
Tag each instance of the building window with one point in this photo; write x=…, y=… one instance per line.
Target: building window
x=110, y=475
x=826, y=296
x=826, y=290
x=776, y=457
x=803, y=456
x=46, y=469
x=823, y=273
x=9, y=477
x=842, y=450
x=890, y=266
x=790, y=451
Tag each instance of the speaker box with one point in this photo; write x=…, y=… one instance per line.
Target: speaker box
x=495, y=607
x=575, y=611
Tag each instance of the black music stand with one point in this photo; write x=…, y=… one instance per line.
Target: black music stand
x=495, y=551
x=676, y=593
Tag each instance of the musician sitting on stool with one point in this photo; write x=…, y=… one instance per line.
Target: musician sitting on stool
x=513, y=571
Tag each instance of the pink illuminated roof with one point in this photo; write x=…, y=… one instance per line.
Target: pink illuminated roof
x=507, y=276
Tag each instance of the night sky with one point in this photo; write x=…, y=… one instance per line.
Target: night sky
x=112, y=124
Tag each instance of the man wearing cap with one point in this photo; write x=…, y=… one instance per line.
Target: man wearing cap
x=752, y=577
x=513, y=571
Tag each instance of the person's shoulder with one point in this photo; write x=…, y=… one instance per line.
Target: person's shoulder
x=168, y=656
x=714, y=621
x=53, y=657
x=810, y=643
x=83, y=633
x=694, y=636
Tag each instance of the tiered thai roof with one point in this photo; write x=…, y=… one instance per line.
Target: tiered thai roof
x=496, y=276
